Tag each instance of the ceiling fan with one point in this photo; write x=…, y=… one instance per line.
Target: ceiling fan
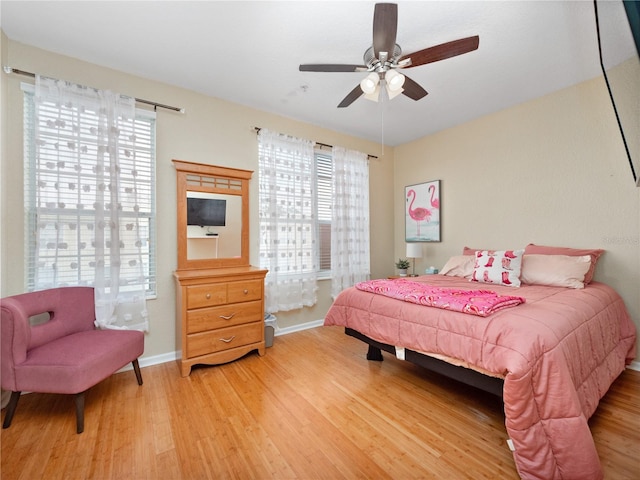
x=384, y=58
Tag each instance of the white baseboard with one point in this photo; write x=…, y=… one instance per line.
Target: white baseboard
x=634, y=366
x=149, y=361
x=158, y=359
x=298, y=328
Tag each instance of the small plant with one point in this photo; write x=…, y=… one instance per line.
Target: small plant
x=402, y=264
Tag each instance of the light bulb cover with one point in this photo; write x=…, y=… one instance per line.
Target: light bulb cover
x=373, y=96
x=394, y=80
x=370, y=83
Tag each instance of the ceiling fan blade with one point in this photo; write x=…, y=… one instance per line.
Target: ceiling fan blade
x=352, y=97
x=385, y=27
x=312, y=67
x=442, y=51
x=412, y=89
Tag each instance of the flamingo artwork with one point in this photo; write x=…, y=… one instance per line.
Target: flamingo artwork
x=418, y=214
x=435, y=202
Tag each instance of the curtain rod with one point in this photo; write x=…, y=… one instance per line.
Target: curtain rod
x=139, y=100
x=257, y=129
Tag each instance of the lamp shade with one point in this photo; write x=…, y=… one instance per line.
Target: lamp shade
x=414, y=250
x=394, y=80
x=370, y=82
x=373, y=96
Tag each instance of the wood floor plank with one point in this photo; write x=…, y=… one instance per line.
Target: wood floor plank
x=312, y=408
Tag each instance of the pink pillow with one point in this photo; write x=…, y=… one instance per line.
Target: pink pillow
x=572, y=252
x=470, y=251
x=501, y=267
x=459, y=266
x=554, y=270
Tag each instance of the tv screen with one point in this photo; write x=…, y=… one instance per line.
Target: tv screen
x=206, y=212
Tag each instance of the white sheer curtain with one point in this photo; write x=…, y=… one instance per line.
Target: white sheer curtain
x=288, y=223
x=86, y=214
x=350, y=259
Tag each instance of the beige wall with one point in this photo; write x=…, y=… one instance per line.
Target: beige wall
x=4, y=89
x=552, y=171
x=211, y=131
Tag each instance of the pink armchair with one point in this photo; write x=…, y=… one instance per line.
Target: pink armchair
x=66, y=354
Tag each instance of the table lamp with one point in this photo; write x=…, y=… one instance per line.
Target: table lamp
x=414, y=250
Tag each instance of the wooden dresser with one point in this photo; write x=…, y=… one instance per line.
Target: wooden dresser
x=219, y=295
x=219, y=315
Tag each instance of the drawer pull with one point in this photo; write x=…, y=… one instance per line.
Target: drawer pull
x=208, y=296
x=227, y=317
x=245, y=291
x=228, y=340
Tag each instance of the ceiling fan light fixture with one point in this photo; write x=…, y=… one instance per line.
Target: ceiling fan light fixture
x=369, y=84
x=394, y=80
x=384, y=58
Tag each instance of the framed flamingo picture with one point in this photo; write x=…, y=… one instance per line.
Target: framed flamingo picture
x=422, y=212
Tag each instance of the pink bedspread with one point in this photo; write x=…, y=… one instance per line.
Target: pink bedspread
x=474, y=302
x=559, y=352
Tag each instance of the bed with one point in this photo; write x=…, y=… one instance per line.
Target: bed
x=553, y=357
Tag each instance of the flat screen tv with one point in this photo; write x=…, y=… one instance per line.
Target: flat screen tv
x=206, y=212
x=618, y=30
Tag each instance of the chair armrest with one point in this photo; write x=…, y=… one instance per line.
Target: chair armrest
x=15, y=336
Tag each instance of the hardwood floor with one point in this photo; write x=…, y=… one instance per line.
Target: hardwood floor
x=312, y=407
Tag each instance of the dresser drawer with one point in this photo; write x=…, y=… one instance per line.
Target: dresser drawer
x=244, y=291
x=199, y=296
x=223, y=339
x=224, y=316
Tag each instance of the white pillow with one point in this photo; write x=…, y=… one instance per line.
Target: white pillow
x=459, y=266
x=555, y=270
x=501, y=267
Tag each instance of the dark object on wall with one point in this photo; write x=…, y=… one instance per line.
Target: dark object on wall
x=618, y=29
x=206, y=212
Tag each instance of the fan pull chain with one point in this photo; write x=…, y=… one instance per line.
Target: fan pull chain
x=382, y=123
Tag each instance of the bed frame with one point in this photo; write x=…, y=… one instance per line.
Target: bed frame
x=468, y=376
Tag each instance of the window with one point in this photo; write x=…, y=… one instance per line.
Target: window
x=325, y=194
x=314, y=219
x=315, y=216
x=65, y=219
x=287, y=207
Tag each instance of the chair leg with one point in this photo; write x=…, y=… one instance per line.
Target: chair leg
x=136, y=368
x=79, y=401
x=11, y=409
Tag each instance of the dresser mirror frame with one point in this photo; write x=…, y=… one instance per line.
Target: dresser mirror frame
x=211, y=179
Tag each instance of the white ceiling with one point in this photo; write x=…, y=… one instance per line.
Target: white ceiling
x=249, y=52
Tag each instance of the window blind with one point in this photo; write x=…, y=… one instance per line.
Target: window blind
x=325, y=193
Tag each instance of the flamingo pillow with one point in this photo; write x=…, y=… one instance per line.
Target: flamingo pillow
x=501, y=267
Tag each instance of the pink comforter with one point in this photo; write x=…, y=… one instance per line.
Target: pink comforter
x=559, y=353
